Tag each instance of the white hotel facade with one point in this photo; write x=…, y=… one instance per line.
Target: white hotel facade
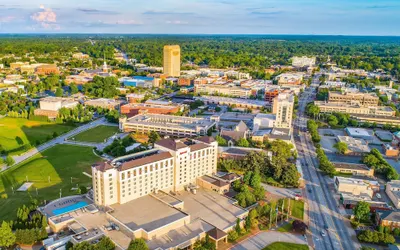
x=170, y=166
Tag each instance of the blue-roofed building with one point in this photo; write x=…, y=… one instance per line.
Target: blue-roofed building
x=138, y=81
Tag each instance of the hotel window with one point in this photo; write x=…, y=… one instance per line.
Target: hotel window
x=151, y=168
x=123, y=176
x=134, y=172
x=145, y=169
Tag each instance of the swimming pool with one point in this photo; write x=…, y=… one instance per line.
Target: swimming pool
x=70, y=208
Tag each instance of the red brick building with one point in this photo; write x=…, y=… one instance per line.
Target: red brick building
x=133, y=109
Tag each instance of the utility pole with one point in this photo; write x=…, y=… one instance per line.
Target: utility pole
x=288, y=210
x=270, y=215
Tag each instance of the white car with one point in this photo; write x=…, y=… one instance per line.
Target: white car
x=378, y=196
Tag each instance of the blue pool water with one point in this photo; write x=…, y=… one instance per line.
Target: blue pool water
x=70, y=208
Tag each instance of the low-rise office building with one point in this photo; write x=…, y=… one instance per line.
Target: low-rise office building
x=303, y=61
x=227, y=90
x=354, y=169
x=355, y=109
x=393, y=191
x=47, y=69
x=133, y=109
x=347, y=97
x=389, y=219
x=290, y=79
x=49, y=106
x=179, y=126
x=236, y=102
x=103, y=103
x=354, y=146
x=356, y=186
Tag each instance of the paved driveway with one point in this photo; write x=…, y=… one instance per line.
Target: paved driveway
x=263, y=239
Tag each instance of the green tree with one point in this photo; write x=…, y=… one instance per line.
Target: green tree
x=153, y=137
x=221, y=141
x=332, y=120
x=259, y=193
x=7, y=238
x=105, y=244
x=9, y=160
x=243, y=142
x=361, y=211
x=255, y=180
x=59, y=92
x=138, y=244
x=73, y=88
x=341, y=147
x=84, y=246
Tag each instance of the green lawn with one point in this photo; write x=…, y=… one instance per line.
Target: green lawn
x=60, y=162
x=286, y=246
x=97, y=134
x=296, y=207
x=286, y=228
x=28, y=132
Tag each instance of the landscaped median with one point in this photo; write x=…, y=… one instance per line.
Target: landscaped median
x=286, y=246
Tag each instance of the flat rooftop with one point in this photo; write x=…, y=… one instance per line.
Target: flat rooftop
x=342, y=165
x=354, y=181
x=355, y=145
x=211, y=207
x=233, y=100
x=177, y=238
x=146, y=213
x=357, y=132
x=170, y=121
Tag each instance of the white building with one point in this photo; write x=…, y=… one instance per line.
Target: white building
x=262, y=121
x=303, y=61
x=171, y=166
x=283, y=106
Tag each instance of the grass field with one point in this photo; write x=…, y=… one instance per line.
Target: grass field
x=62, y=163
x=286, y=246
x=296, y=207
x=97, y=134
x=28, y=131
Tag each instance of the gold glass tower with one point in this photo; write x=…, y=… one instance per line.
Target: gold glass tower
x=172, y=60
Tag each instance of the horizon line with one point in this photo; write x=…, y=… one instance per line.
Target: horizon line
x=190, y=34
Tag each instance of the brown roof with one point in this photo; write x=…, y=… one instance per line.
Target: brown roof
x=102, y=166
x=206, y=139
x=171, y=144
x=198, y=146
x=216, y=233
x=145, y=160
x=232, y=135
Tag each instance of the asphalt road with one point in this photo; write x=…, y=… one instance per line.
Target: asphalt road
x=323, y=210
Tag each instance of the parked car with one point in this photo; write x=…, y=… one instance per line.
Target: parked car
x=323, y=234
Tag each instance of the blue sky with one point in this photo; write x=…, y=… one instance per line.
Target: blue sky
x=334, y=17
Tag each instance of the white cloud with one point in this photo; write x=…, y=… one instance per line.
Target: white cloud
x=47, y=18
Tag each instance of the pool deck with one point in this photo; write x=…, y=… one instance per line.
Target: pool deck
x=58, y=206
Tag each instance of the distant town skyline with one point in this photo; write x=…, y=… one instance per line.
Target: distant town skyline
x=330, y=17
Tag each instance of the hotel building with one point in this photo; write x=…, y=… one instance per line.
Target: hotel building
x=172, y=60
x=170, y=166
x=179, y=126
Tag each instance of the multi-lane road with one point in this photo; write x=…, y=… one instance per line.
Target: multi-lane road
x=327, y=226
